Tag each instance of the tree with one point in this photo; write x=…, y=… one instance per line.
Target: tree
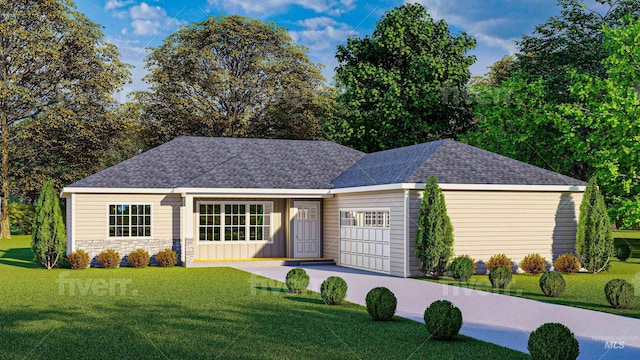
x=229, y=76
x=594, y=239
x=48, y=237
x=55, y=67
x=434, y=236
x=498, y=73
x=404, y=84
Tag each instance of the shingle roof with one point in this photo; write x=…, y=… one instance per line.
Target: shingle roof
x=453, y=162
x=200, y=162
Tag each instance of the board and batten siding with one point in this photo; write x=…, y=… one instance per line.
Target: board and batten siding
x=220, y=250
x=393, y=200
x=516, y=223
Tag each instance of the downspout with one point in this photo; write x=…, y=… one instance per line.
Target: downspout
x=407, y=259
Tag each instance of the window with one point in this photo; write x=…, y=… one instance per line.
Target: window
x=365, y=218
x=129, y=220
x=225, y=222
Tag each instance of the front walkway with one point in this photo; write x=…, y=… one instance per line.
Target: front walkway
x=499, y=319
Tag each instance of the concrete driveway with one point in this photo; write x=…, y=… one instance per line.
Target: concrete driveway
x=499, y=319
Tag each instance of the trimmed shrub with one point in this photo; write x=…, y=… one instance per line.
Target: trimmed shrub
x=533, y=264
x=166, y=257
x=500, y=277
x=553, y=341
x=139, y=258
x=496, y=260
x=552, y=283
x=109, y=259
x=594, y=238
x=567, y=263
x=381, y=303
x=461, y=268
x=622, y=252
x=443, y=320
x=297, y=280
x=333, y=290
x=79, y=259
x=619, y=293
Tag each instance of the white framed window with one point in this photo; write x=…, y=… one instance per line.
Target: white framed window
x=229, y=222
x=365, y=218
x=129, y=220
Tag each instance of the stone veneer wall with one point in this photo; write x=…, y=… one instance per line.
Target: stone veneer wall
x=124, y=247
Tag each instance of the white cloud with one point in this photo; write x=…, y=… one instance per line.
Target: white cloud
x=149, y=20
x=146, y=12
x=331, y=7
x=321, y=33
x=116, y=4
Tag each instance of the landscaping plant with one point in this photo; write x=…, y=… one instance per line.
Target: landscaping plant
x=166, y=257
x=297, y=280
x=461, y=268
x=443, y=320
x=567, y=263
x=333, y=290
x=498, y=259
x=500, y=277
x=48, y=236
x=533, y=264
x=381, y=303
x=434, y=236
x=594, y=239
x=553, y=341
x=619, y=293
x=78, y=259
x=109, y=259
x=552, y=283
x=139, y=258
x=622, y=252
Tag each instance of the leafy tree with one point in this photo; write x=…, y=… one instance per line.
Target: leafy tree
x=434, y=236
x=404, y=84
x=499, y=72
x=594, y=239
x=55, y=67
x=48, y=237
x=229, y=76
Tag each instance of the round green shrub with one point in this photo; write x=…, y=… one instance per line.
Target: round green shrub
x=166, y=257
x=109, y=259
x=333, y=290
x=567, y=263
x=497, y=260
x=78, y=259
x=461, y=268
x=553, y=341
x=622, y=252
x=533, y=264
x=381, y=303
x=552, y=283
x=297, y=280
x=443, y=320
x=139, y=258
x=619, y=293
x=500, y=277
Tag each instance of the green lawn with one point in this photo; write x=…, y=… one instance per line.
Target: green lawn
x=583, y=290
x=178, y=313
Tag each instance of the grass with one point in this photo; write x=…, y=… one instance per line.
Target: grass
x=583, y=290
x=173, y=313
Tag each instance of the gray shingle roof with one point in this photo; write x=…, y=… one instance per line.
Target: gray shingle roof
x=200, y=162
x=453, y=162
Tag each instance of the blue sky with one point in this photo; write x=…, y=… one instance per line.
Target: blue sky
x=321, y=25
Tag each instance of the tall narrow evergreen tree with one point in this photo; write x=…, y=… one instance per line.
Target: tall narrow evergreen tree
x=594, y=239
x=48, y=237
x=434, y=236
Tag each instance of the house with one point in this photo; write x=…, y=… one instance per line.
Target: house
x=215, y=199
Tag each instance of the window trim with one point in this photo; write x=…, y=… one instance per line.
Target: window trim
x=340, y=217
x=151, y=213
x=247, y=204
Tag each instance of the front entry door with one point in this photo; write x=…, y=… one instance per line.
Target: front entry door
x=306, y=229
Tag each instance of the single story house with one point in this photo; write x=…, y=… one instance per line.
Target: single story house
x=217, y=199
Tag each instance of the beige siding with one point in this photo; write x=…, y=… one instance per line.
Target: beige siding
x=213, y=251
x=515, y=223
x=92, y=222
x=394, y=200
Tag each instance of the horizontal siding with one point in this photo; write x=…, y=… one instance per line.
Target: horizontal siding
x=515, y=223
x=394, y=200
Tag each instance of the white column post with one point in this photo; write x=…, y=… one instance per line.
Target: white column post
x=187, y=225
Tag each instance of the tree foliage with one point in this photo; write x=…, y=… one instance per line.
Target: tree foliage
x=229, y=76
x=594, y=239
x=404, y=84
x=48, y=237
x=434, y=236
x=55, y=67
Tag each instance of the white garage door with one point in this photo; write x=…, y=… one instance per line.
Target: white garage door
x=365, y=239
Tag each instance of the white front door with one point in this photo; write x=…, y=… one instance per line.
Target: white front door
x=306, y=229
